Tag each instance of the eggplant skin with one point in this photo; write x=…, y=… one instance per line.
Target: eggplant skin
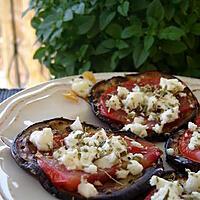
x=178, y=161
x=26, y=160
x=100, y=87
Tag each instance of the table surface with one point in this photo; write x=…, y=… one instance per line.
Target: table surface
x=5, y=93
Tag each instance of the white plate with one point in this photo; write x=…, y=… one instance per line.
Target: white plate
x=42, y=102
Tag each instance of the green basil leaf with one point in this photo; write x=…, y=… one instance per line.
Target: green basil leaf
x=148, y=42
x=171, y=33
x=105, y=18
x=84, y=23
x=120, y=44
x=155, y=10
x=173, y=47
x=139, y=56
x=195, y=29
x=134, y=30
x=114, y=30
x=40, y=53
x=123, y=8
x=105, y=46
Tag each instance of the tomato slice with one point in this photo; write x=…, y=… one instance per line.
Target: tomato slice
x=193, y=155
x=150, y=152
x=197, y=121
x=120, y=116
x=70, y=179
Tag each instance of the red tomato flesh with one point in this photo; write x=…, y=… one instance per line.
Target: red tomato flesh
x=120, y=116
x=69, y=180
x=150, y=152
x=193, y=155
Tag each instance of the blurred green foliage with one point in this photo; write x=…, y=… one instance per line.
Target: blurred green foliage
x=118, y=35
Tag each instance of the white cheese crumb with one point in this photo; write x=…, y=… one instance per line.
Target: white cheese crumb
x=139, y=120
x=76, y=125
x=70, y=159
x=72, y=139
x=113, y=103
x=192, y=127
x=194, y=141
x=151, y=102
x=193, y=182
x=136, y=144
x=107, y=161
x=171, y=188
x=182, y=94
x=88, y=154
x=158, y=128
x=81, y=87
x=136, y=128
x=122, y=92
x=170, y=151
x=92, y=169
x=122, y=173
x=173, y=85
x=87, y=189
x=169, y=115
x=135, y=167
x=133, y=100
x=43, y=140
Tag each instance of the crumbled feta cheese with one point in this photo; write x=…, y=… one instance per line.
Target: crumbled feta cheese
x=118, y=144
x=133, y=100
x=43, y=140
x=81, y=87
x=151, y=102
x=157, y=128
x=76, y=125
x=73, y=138
x=194, y=141
x=122, y=92
x=139, y=120
x=87, y=155
x=193, y=182
x=122, y=173
x=107, y=161
x=92, y=169
x=136, y=128
x=173, y=85
x=113, y=103
x=192, y=127
x=169, y=115
x=87, y=189
x=136, y=144
x=170, y=151
x=172, y=189
x=136, y=88
x=182, y=94
x=70, y=159
x=135, y=167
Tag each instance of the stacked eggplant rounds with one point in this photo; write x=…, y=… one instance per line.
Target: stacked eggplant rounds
x=172, y=185
x=151, y=105
x=183, y=149
x=74, y=160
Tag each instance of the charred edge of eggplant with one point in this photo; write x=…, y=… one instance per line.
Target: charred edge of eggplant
x=93, y=100
x=31, y=166
x=133, y=191
x=177, y=161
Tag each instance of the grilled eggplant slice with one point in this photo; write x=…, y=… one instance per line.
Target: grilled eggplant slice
x=102, y=90
x=179, y=155
x=28, y=157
